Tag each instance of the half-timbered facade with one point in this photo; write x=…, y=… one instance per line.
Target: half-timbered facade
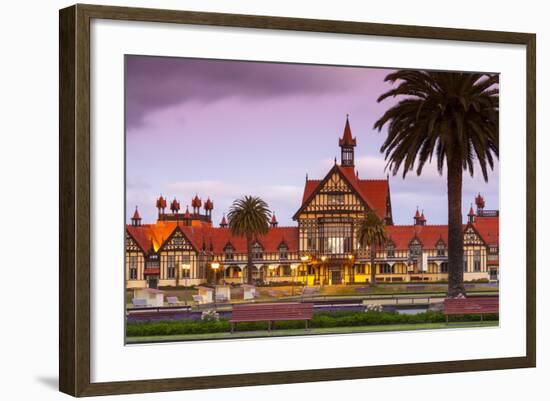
x=185, y=249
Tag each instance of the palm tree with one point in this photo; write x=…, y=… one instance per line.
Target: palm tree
x=249, y=217
x=454, y=118
x=372, y=233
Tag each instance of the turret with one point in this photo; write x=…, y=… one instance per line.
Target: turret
x=175, y=206
x=480, y=203
x=471, y=214
x=274, y=223
x=223, y=223
x=161, y=204
x=196, y=204
x=419, y=219
x=208, y=206
x=136, y=218
x=347, y=143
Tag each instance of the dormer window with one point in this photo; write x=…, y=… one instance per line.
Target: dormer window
x=257, y=251
x=440, y=248
x=390, y=250
x=283, y=251
x=228, y=252
x=415, y=248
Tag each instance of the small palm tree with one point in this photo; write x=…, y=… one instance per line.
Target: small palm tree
x=249, y=217
x=452, y=117
x=372, y=233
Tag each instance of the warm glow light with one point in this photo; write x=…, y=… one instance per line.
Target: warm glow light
x=215, y=265
x=185, y=266
x=294, y=266
x=350, y=256
x=323, y=258
x=305, y=258
x=271, y=267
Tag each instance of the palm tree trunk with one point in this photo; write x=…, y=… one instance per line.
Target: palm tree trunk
x=456, y=236
x=249, y=262
x=372, y=265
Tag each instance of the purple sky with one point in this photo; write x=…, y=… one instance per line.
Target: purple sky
x=225, y=129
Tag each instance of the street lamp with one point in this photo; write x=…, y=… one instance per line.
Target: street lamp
x=215, y=266
x=293, y=268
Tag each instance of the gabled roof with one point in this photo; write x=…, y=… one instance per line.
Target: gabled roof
x=374, y=193
x=154, y=236
x=428, y=235
x=488, y=229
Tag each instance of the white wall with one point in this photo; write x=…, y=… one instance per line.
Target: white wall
x=28, y=166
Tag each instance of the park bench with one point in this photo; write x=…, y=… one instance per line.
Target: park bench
x=198, y=299
x=139, y=303
x=173, y=301
x=468, y=306
x=271, y=313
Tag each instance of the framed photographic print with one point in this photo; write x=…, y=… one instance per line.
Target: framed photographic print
x=261, y=200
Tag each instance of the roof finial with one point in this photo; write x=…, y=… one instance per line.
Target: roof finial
x=334, y=159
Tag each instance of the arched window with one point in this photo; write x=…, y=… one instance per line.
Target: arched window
x=444, y=267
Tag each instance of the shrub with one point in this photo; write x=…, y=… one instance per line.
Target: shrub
x=319, y=320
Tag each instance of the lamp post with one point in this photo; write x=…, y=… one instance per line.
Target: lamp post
x=323, y=260
x=293, y=268
x=351, y=261
x=304, y=260
x=215, y=266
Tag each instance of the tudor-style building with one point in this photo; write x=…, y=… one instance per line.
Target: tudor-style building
x=186, y=248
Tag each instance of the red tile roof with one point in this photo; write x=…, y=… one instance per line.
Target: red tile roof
x=373, y=192
x=152, y=237
x=428, y=235
x=488, y=228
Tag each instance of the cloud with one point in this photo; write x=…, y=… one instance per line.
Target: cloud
x=156, y=82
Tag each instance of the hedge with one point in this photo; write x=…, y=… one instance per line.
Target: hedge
x=320, y=320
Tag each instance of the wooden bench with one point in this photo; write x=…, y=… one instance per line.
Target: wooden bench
x=271, y=313
x=468, y=306
x=140, y=303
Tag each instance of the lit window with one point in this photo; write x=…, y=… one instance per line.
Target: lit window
x=336, y=199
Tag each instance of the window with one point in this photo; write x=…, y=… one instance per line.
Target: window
x=336, y=238
x=171, y=273
x=465, y=263
x=335, y=199
x=283, y=251
x=286, y=270
x=228, y=251
x=385, y=269
x=133, y=267
x=440, y=248
x=477, y=260
x=186, y=266
x=360, y=269
x=390, y=250
x=415, y=248
x=444, y=267
x=257, y=251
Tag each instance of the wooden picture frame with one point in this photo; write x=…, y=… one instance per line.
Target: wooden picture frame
x=75, y=208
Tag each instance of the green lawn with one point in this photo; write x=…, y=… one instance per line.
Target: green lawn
x=301, y=332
